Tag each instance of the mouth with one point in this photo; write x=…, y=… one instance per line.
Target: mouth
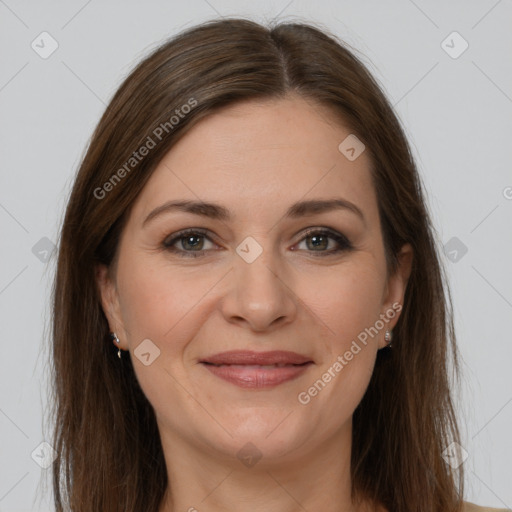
x=256, y=370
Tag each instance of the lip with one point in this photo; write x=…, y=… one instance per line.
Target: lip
x=248, y=369
x=249, y=357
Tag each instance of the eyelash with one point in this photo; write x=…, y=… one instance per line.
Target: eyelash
x=342, y=240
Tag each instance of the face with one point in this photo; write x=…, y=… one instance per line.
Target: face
x=261, y=269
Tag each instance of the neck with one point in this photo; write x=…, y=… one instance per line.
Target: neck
x=201, y=479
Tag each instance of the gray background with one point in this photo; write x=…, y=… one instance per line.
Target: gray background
x=457, y=113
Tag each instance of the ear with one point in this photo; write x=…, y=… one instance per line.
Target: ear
x=110, y=303
x=395, y=289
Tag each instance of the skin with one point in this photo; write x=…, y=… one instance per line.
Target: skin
x=255, y=158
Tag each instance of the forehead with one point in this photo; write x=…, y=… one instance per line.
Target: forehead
x=262, y=153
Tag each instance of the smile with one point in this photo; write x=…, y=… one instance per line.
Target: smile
x=257, y=370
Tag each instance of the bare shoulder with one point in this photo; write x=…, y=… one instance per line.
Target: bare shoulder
x=471, y=507
x=467, y=507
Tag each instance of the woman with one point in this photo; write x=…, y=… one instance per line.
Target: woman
x=249, y=229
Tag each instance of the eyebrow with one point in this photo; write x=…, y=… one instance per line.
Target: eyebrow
x=219, y=212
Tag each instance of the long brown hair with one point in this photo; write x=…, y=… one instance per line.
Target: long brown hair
x=105, y=433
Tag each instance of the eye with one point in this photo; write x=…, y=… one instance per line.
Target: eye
x=320, y=238
x=189, y=241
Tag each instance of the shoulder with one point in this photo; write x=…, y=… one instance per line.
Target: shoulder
x=471, y=507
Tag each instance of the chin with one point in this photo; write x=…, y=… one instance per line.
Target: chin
x=266, y=433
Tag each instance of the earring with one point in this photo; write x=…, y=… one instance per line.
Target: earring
x=388, y=336
x=117, y=340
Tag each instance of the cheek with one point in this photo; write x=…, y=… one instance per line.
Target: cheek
x=156, y=299
x=349, y=304
x=347, y=301
x=161, y=306
x=160, y=303
x=329, y=398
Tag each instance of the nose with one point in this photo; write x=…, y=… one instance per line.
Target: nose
x=259, y=296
